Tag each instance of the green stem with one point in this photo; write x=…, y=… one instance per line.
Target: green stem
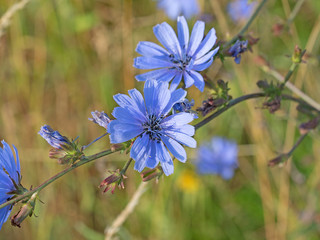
x=293, y=67
x=295, y=11
x=243, y=98
x=82, y=161
x=245, y=28
x=296, y=144
x=125, y=167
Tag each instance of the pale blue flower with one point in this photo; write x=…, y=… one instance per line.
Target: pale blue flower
x=182, y=58
x=237, y=49
x=240, y=10
x=54, y=138
x=147, y=120
x=100, y=118
x=9, y=177
x=175, y=8
x=219, y=157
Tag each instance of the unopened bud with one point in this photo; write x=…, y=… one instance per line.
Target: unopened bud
x=115, y=179
x=151, y=174
x=278, y=160
x=25, y=211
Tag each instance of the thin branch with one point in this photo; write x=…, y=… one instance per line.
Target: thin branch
x=82, y=161
x=291, y=87
x=6, y=18
x=114, y=228
x=246, y=27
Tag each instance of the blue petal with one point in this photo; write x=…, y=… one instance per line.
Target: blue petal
x=153, y=160
x=157, y=96
x=155, y=74
x=183, y=32
x=182, y=138
x=196, y=37
x=206, y=44
x=138, y=98
x=150, y=49
x=150, y=90
x=175, y=148
x=167, y=37
x=203, y=66
x=122, y=132
x=198, y=80
x=171, y=73
x=186, y=129
x=123, y=100
x=167, y=167
x=139, y=147
x=4, y=214
x=151, y=63
x=125, y=115
x=178, y=119
x=142, y=161
x=176, y=96
x=7, y=160
x=188, y=80
x=206, y=57
x=175, y=82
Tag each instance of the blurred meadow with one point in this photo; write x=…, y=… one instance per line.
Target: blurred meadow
x=60, y=60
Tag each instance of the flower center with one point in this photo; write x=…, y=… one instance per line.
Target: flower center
x=152, y=127
x=181, y=64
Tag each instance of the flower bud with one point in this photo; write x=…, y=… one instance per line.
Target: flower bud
x=278, y=160
x=64, y=150
x=115, y=179
x=25, y=211
x=297, y=55
x=151, y=174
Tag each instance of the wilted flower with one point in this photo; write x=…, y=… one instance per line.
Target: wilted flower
x=174, y=8
x=181, y=58
x=100, y=118
x=63, y=149
x=219, y=157
x=185, y=106
x=237, y=49
x=240, y=10
x=9, y=179
x=156, y=133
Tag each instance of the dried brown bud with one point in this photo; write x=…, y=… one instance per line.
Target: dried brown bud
x=273, y=105
x=307, y=126
x=277, y=29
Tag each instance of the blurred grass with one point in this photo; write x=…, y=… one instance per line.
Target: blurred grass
x=62, y=59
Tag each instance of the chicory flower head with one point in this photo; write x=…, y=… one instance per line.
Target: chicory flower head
x=174, y=8
x=237, y=49
x=156, y=133
x=100, y=118
x=9, y=178
x=185, y=106
x=54, y=138
x=240, y=10
x=183, y=56
x=219, y=157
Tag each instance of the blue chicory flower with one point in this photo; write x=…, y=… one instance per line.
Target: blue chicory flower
x=237, y=49
x=183, y=57
x=9, y=178
x=100, y=118
x=185, y=106
x=219, y=157
x=54, y=138
x=240, y=10
x=175, y=8
x=148, y=120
